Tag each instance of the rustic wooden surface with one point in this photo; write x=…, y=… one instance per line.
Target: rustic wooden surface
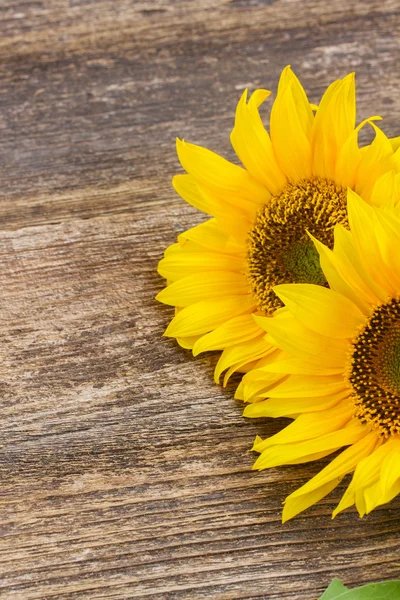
x=125, y=473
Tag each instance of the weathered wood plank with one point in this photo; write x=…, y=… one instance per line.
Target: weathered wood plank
x=125, y=473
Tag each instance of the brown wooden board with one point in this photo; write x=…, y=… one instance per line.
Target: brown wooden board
x=125, y=472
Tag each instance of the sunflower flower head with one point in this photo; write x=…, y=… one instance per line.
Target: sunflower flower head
x=278, y=246
x=338, y=373
x=293, y=183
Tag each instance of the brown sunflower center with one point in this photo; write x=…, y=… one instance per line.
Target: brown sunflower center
x=279, y=249
x=375, y=369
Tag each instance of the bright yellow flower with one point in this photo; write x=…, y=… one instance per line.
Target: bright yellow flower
x=338, y=374
x=222, y=272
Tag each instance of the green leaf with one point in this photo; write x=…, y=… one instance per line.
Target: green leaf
x=335, y=588
x=387, y=590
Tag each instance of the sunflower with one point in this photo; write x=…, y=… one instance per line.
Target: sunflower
x=222, y=272
x=338, y=374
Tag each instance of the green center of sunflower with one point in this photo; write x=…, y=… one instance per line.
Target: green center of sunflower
x=279, y=249
x=375, y=369
x=301, y=261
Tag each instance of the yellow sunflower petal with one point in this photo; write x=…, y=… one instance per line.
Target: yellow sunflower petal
x=233, y=331
x=293, y=507
x=336, y=469
x=308, y=385
x=362, y=220
x=233, y=215
x=203, y=286
x=249, y=366
x=349, y=157
x=327, y=479
x=303, y=108
x=396, y=160
x=347, y=500
x=305, y=426
x=387, y=201
x=293, y=337
x=180, y=264
x=187, y=188
x=291, y=122
x=395, y=143
x=368, y=469
x=204, y=316
x=256, y=384
x=387, y=230
x=337, y=276
x=252, y=143
x=286, y=454
x=384, y=189
x=353, y=268
x=390, y=472
x=289, y=407
x=387, y=497
x=321, y=310
x=368, y=499
x=363, y=489
x=217, y=173
x=187, y=342
x=211, y=236
x=387, y=486
x=377, y=159
x=334, y=123
x=294, y=365
x=236, y=356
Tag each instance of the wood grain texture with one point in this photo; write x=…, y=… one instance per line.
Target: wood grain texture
x=125, y=473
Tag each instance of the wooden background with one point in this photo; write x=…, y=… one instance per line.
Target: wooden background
x=125, y=473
